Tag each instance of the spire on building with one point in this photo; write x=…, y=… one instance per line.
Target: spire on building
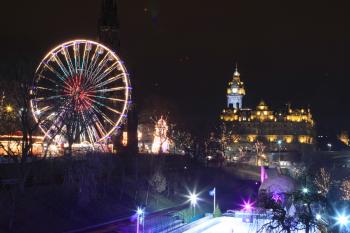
x=108, y=31
x=236, y=73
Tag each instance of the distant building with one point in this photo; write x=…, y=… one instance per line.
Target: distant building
x=287, y=130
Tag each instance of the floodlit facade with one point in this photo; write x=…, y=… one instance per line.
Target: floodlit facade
x=287, y=130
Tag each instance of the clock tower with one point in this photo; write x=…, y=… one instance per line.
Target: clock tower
x=235, y=91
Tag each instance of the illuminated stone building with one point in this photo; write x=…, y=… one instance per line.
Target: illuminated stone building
x=287, y=130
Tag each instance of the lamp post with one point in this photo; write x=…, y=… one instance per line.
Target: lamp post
x=279, y=142
x=193, y=200
x=140, y=213
x=213, y=194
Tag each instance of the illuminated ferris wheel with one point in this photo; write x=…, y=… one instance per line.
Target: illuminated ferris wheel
x=82, y=89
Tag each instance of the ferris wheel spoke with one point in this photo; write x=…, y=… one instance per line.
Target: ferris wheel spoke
x=68, y=60
x=110, y=89
x=42, y=110
x=82, y=125
x=60, y=64
x=90, y=134
x=96, y=135
x=91, y=129
x=99, y=67
x=101, y=128
x=86, y=55
x=107, y=107
x=54, y=71
x=41, y=76
x=46, y=89
x=76, y=57
x=107, y=72
x=108, y=81
x=103, y=115
x=107, y=98
x=39, y=99
x=57, y=125
x=92, y=64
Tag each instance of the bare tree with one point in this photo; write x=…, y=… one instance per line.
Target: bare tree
x=345, y=189
x=158, y=181
x=323, y=181
x=296, y=212
x=260, y=153
x=18, y=123
x=180, y=139
x=20, y=128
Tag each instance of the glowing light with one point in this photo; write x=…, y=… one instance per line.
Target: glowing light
x=193, y=198
x=139, y=211
x=277, y=197
x=9, y=108
x=342, y=220
x=125, y=138
x=247, y=206
x=305, y=190
x=318, y=216
x=140, y=218
x=161, y=141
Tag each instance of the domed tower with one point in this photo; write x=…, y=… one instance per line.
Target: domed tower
x=235, y=91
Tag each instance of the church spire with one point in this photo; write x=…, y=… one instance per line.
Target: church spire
x=108, y=31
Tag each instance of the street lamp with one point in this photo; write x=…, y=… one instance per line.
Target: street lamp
x=305, y=190
x=342, y=220
x=248, y=206
x=193, y=198
x=139, y=212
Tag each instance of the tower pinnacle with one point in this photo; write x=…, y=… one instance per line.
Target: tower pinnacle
x=108, y=31
x=236, y=73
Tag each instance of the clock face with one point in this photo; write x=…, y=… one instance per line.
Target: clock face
x=234, y=90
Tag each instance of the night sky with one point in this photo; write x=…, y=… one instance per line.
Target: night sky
x=184, y=51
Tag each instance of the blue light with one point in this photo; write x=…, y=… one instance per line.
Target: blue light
x=342, y=220
x=318, y=216
x=193, y=199
x=139, y=211
x=305, y=190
